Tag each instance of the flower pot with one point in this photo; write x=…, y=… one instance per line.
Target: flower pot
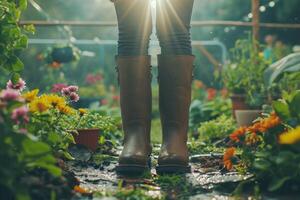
x=246, y=117
x=238, y=103
x=87, y=137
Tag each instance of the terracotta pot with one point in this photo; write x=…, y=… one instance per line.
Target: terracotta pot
x=246, y=117
x=238, y=103
x=87, y=137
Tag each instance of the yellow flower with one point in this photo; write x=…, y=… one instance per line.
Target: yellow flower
x=82, y=111
x=39, y=105
x=54, y=100
x=290, y=137
x=31, y=95
x=65, y=109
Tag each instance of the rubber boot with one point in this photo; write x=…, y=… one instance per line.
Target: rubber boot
x=134, y=76
x=175, y=78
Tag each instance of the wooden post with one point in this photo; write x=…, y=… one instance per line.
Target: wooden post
x=255, y=20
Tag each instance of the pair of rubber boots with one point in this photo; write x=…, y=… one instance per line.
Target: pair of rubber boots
x=174, y=78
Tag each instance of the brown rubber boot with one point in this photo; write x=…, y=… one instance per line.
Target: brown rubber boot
x=175, y=78
x=134, y=74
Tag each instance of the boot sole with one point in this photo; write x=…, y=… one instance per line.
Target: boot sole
x=130, y=169
x=173, y=169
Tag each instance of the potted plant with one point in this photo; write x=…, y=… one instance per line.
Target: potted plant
x=244, y=80
x=90, y=125
x=58, y=55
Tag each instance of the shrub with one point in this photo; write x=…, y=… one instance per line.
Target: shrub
x=216, y=129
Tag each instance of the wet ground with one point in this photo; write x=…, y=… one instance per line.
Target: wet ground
x=208, y=180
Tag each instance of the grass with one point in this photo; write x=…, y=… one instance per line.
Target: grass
x=156, y=133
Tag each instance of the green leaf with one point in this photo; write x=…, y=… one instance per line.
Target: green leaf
x=22, y=4
x=282, y=109
x=15, y=77
x=23, y=42
x=29, y=28
x=277, y=183
x=33, y=148
x=295, y=104
x=262, y=164
x=17, y=65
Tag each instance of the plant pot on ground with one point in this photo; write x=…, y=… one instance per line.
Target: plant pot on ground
x=87, y=137
x=246, y=117
x=90, y=125
x=238, y=103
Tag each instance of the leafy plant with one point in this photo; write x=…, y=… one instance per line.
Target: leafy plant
x=216, y=129
x=201, y=111
x=288, y=64
x=96, y=120
x=284, y=75
x=244, y=75
x=12, y=37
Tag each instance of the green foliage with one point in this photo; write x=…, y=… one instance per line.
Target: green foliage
x=288, y=109
x=283, y=75
x=53, y=128
x=89, y=120
x=216, y=129
x=201, y=111
x=245, y=73
x=12, y=37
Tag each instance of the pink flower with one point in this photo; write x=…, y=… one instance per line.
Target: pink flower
x=93, y=79
x=58, y=87
x=116, y=97
x=65, y=92
x=20, y=85
x=104, y=102
x=73, y=88
x=74, y=97
x=20, y=114
x=10, y=95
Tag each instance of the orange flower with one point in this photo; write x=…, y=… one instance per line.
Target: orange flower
x=265, y=124
x=237, y=134
x=198, y=84
x=211, y=93
x=55, y=65
x=224, y=93
x=227, y=158
x=80, y=190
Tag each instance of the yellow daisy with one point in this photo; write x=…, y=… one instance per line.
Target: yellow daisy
x=290, y=137
x=82, y=111
x=39, y=105
x=65, y=109
x=54, y=100
x=31, y=95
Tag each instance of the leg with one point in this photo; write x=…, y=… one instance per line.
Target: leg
x=175, y=67
x=173, y=26
x=135, y=27
x=134, y=73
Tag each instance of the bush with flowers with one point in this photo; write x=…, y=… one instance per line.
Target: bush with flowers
x=270, y=147
x=20, y=150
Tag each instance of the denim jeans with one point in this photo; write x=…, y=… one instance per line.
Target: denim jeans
x=135, y=26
